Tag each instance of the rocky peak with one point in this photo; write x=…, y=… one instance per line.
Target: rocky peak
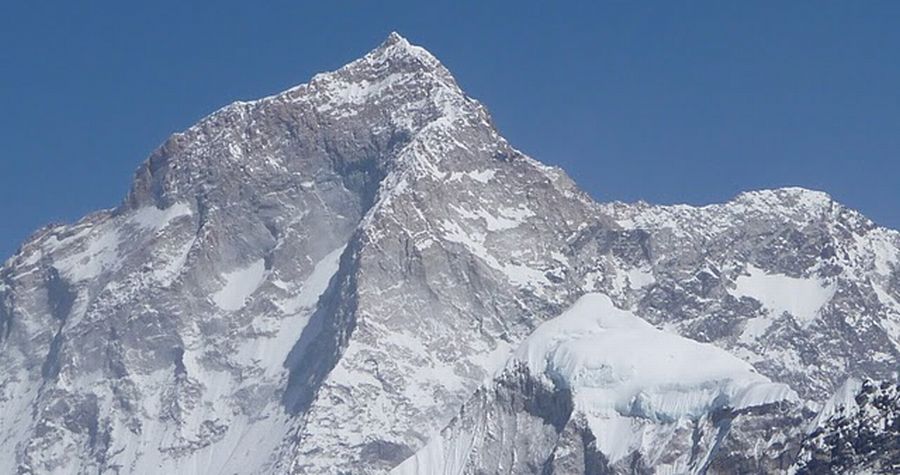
x=398, y=54
x=360, y=116
x=332, y=272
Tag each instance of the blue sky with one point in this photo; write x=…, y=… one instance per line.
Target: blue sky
x=662, y=101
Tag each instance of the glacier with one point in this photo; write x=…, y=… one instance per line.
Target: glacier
x=627, y=379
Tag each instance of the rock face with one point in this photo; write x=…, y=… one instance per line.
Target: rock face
x=861, y=435
x=360, y=275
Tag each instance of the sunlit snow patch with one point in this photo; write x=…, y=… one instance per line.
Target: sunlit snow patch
x=151, y=217
x=276, y=338
x=481, y=176
x=100, y=255
x=315, y=284
x=239, y=285
x=803, y=298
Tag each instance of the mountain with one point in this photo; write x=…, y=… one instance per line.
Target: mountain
x=360, y=275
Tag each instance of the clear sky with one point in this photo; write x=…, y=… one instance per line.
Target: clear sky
x=664, y=101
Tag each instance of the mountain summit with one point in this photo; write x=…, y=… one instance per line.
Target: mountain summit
x=360, y=275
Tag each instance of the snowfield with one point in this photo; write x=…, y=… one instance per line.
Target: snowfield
x=632, y=382
x=616, y=363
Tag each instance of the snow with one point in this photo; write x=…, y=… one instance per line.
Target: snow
x=33, y=259
x=640, y=278
x=245, y=446
x=101, y=254
x=795, y=204
x=440, y=456
x=843, y=401
x=509, y=218
x=883, y=245
x=619, y=366
x=239, y=285
x=891, y=322
x=481, y=176
x=99, y=243
x=17, y=392
x=519, y=275
x=505, y=217
x=315, y=284
x=623, y=280
x=151, y=217
x=756, y=327
x=617, y=363
x=270, y=353
x=633, y=383
x=341, y=94
x=802, y=298
x=173, y=263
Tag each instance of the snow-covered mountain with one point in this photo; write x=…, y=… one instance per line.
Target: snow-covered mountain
x=360, y=275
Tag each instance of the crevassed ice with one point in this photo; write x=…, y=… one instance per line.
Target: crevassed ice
x=627, y=377
x=617, y=363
